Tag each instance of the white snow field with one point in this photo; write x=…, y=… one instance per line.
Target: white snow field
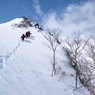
x=25, y=66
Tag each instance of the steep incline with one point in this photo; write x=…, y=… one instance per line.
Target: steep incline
x=26, y=68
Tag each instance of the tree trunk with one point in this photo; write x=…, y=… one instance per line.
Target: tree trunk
x=76, y=80
x=53, y=64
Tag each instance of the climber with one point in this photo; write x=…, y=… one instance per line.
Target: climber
x=22, y=37
x=27, y=34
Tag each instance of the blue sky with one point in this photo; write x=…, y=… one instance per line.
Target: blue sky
x=34, y=9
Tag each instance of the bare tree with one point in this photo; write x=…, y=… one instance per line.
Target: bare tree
x=53, y=37
x=90, y=61
x=91, y=50
x=81, y=56
x=73, y=50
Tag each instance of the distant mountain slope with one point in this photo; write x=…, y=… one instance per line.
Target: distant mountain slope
x=25, y=67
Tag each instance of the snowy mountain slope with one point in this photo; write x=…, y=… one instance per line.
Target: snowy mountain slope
x=25, y=67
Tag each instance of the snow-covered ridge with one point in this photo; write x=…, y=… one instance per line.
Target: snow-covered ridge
x=26, y=66
x=17, y=21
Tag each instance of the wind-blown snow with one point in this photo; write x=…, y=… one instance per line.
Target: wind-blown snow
x=25, y=67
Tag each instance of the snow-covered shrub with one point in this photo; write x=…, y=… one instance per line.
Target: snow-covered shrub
x=26, y=22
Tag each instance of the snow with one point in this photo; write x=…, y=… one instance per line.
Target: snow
x=25, y=67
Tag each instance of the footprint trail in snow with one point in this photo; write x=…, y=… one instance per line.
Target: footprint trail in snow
x=3, y=59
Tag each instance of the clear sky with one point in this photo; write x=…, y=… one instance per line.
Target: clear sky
x=34, y=9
